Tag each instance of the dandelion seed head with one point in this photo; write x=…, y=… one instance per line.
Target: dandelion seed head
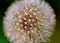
x=29, y=21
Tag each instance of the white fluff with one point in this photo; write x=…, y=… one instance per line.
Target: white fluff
x=19, y=8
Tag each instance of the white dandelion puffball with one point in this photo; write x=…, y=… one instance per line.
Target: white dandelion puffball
x=29, y=21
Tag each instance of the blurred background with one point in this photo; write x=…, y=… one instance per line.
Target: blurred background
x=4, y=4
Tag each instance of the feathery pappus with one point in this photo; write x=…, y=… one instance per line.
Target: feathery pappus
x=29, y=21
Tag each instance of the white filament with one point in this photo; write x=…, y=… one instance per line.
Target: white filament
x=44, y=13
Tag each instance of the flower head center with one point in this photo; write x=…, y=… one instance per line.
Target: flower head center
x=28, y=22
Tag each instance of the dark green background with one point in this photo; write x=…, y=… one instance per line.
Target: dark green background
x=4, y=4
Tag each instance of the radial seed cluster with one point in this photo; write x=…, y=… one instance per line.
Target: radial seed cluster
x=29, y=21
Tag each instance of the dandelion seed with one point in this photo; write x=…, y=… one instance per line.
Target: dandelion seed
x=34, y=23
